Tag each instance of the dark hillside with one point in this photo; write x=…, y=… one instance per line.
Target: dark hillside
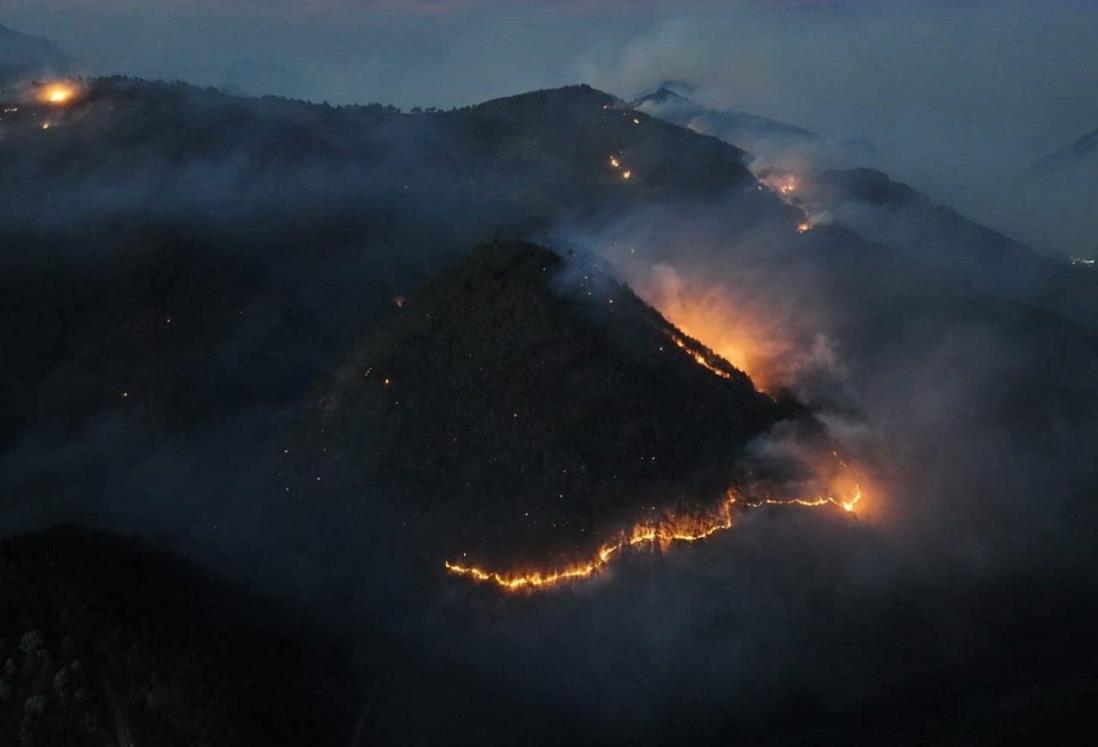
x=105, y=642
x=523, y=393
x=271, y=232
x=939, y=239
x=731, y=125
x=23, y=57
x=1071, y=155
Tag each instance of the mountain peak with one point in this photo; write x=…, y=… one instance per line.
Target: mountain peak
x=24, y=57
x=1081, y=149
x=533, y=391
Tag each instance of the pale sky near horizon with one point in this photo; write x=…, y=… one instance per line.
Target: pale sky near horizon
x=838, y=65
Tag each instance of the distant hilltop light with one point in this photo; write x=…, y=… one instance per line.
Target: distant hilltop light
x=1083, y=261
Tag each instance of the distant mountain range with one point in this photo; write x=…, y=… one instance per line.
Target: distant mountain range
x=759, y=135
x=24, y=58
x=1079, y=151
x=868, y=201
x=936, y=235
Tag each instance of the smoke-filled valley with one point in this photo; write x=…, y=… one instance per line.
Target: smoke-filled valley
x=566, y=417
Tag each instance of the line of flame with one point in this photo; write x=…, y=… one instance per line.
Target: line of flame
x=666, y=532
x=700, y=359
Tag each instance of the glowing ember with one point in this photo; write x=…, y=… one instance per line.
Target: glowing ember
x=662, y=532
x=400, y=301
x=787, y=185
x=804, y=227
x=57, y=93
x=615, y=162
x=46, y=126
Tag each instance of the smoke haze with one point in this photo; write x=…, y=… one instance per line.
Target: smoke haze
x=961, y=99
x=280, y=234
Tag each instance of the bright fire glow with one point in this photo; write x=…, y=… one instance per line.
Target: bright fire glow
x=804, y=227
x=57, y=93
x=698, y=357
x=615, y=162
x=725, y=321
x=652, y=533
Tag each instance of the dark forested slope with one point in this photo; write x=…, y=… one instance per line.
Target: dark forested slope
x=103, y=641
x=533, y=397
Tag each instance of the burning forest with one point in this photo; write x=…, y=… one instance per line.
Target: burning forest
x=659, y=533
x=652, y=412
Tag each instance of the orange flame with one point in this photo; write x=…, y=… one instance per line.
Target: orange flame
x=751, y=342
x=785, y=185
x=698, y=357
x=652, y=533
x=57, y=93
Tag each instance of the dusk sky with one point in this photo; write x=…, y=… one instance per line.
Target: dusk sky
x=1026, y=67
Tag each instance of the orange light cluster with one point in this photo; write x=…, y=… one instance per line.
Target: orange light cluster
x=660, y=533
x=846, y=504
x=615, y=163
x=785, y=185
